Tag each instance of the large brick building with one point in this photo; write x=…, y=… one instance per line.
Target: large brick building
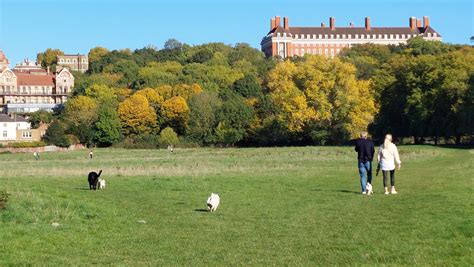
x=28, y=88
x=286, y=41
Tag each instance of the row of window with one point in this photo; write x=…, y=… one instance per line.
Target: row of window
x=67, y=60
x=356, y=36
x=25, y=134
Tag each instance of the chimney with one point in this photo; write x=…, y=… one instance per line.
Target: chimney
x=412, y=23
x=367, y=23
x=285, y=23
x=426, y=21
x=272, y=24
x=351, y=25
x=277, y=21
x=332, y=23
x=47, y=70
x=323, y=25
x=418, y=23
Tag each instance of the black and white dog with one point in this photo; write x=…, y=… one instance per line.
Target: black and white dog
x=93, y=179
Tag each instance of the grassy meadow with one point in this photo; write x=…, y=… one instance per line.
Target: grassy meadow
x=279, y=206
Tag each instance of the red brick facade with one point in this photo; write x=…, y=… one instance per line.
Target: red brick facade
x=290, y=41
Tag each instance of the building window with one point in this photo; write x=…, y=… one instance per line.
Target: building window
x=320, y=51
x=297, y=52
x=314, y=51
x=4, y=133
x=302, y=52
x=326, y=51
x=296, y=36
x=403, y=36
x=5, y=125
x=26, y=134
x=343, y=36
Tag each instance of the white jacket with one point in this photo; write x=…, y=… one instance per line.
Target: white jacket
x=387, y=157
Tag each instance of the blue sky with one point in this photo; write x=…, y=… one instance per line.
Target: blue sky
x=75, y=26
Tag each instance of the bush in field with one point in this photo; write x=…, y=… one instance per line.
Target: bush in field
x=3, y=199
x=27, y=144
x=168, y=137
x=55, y=135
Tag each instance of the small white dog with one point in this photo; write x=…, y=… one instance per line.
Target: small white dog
x=213, y=202
x=101, y=183
x=368, y=189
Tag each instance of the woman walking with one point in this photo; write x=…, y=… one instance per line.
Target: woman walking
x=388, y=157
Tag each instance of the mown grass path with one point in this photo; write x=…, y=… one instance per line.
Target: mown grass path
x=279, y=206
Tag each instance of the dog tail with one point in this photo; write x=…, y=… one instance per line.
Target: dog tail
x=100, y=172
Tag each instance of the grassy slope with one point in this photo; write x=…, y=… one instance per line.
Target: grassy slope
x=297, y=206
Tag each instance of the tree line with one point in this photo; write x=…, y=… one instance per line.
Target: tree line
x=217, y=94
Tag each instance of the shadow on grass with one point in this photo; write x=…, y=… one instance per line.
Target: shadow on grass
x=339, y=191
x=201, y=210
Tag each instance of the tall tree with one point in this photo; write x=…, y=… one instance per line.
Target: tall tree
x=49, y=58
x=137, y=116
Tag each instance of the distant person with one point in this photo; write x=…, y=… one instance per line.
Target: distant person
x=91, y=154
x=388, y=157
x=365, y=155
x=36, y=155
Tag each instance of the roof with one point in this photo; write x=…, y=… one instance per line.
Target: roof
x=16, y=118
x=353, y=30
x=31, y=79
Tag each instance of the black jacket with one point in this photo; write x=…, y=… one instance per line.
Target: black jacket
x=365, y=150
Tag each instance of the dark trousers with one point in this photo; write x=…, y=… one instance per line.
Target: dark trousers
x=392, y=177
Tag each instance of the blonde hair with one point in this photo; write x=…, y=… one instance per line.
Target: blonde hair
x=387, y=141
x=363, y=135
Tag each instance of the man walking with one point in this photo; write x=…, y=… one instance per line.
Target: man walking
x=365, y=155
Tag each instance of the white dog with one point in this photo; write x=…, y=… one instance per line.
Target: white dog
x=101, y=183
x=213, y=202
x=368, y=189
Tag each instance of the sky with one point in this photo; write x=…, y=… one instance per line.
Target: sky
x=28, y=27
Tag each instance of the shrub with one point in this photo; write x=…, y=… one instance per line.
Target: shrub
x=146, y=141
x=168, y=137
x=27, y=144
x=3, y=199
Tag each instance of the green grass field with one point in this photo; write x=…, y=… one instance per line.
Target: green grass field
x=279, y=206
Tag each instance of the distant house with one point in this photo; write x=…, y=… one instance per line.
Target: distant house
x=17, y=129
x=28, y=88
x=74, y=62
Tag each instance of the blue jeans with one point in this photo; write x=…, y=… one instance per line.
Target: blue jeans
x=365, y=171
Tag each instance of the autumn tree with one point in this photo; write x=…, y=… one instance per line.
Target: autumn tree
x=136, y=115
x=80, y=114
x=175, y=112
x=322, y=98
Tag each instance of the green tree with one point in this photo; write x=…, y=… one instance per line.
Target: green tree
x=49, y=58
x=168, y=137
x=56, y=135
x=202, y=118
x=108, y=127
x=38, y=117
x=247, y=86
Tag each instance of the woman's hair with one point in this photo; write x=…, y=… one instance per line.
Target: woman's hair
x=387, y=141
